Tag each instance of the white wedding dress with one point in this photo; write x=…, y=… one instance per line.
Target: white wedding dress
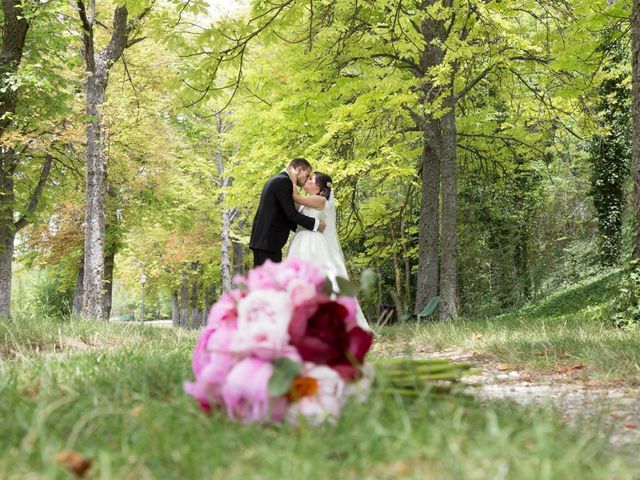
x=323, y=249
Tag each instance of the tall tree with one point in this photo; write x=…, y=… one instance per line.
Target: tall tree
x=635, y=119
x=27, y=147
x=98, y=64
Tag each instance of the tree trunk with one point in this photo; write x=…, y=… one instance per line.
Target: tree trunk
x=196, y=314
x=78, y=293
x=14, y=34
x=225, y=249
x=449, y=237
x=427, y=279
x=635, y=111
x=227, y=213
x=184, y=301
x=107, y=299
x=97, y=66
x=6, y=260
x=94, y=238
x=238, y=268
x=175, y=311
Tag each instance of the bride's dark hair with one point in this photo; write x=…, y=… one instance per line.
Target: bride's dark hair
x=324, y=182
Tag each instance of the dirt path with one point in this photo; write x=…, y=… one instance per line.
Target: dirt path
x=617, y=404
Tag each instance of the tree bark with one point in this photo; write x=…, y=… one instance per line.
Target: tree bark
x=225, y=249
x=175, y=310
x=78, y=293
x=449, y=237
x=428, y=258
x=196, y=314
x=184, y=301
x=635, y=112
x=6, y=260
x=107, y=299
x=238, y=254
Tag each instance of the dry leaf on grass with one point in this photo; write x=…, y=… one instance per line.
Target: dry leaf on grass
x=631, y=425
x=74, y=462
x=503, y=366
x=570, y=368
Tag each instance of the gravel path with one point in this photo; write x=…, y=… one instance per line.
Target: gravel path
x=617, y=404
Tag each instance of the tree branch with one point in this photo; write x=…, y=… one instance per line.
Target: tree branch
x=37, y=192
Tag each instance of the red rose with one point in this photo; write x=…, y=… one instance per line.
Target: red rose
x=323, y=338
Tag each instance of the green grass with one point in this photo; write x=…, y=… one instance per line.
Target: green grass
x=113, y=392
x=568, y=328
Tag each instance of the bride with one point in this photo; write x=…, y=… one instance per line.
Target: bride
x=321, y=249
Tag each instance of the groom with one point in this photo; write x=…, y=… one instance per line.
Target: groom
x=277, y=215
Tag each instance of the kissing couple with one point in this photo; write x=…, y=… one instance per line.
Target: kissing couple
x=312, y=217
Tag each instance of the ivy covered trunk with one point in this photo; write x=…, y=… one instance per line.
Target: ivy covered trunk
x=635, y=110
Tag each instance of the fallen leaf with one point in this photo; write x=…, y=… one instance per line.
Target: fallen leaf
x=400, y=468
x=74, y=462
x=526, y=377
x=617, y=415
x=569, y=368
x=503, y=366
x=33, y=390
x=136, y=411
x=631, y=425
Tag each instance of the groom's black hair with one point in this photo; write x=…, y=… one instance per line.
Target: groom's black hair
x=300, y=162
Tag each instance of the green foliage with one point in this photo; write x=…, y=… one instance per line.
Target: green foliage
x=625, y=308
x=611, y=153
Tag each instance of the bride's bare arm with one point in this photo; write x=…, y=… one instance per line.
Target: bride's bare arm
x=313, y=201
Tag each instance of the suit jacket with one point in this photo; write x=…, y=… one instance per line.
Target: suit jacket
x=276, y=215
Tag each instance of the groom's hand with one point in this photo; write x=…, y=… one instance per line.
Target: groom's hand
x=322, y=226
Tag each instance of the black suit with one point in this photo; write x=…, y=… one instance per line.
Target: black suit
x=275, y=217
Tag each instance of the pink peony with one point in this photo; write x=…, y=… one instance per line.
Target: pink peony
x=263, y=323
x=211, y=363
x=262, y=277
x=224, y=310
x=246, y=393
x=293, y=269
x=301, y=292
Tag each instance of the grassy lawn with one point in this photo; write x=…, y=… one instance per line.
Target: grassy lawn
x=113, y=393
x=563, y=330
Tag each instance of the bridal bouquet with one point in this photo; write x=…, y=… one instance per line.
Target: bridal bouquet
x=283, y=346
